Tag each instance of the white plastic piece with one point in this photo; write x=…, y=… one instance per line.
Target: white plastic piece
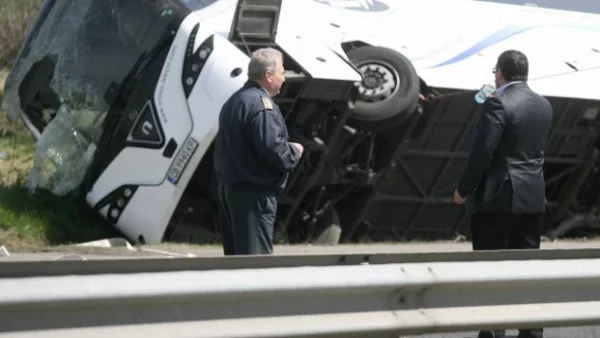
x=109, y=243
x=4, y=251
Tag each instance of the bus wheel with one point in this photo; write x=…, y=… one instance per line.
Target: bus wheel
x=389, y=91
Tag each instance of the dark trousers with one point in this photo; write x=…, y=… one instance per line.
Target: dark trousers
x=497, y=231
x=247, y=220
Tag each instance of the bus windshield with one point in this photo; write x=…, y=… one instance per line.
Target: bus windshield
x=75, y=53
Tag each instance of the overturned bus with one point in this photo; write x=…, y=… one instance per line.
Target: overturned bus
x=123, y=97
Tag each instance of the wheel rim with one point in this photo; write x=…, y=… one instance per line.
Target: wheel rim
x=380, y=81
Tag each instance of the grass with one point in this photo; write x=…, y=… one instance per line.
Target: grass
x=15, y=18
x=17, y=147
x=34, y=221
x=31, y=221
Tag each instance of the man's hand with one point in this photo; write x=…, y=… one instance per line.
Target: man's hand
x=457, y=198
x=299, y=146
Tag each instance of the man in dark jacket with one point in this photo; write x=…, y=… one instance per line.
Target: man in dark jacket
x=253, y=157
x=503, y=182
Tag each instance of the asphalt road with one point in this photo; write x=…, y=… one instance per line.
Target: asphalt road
x=119, y=248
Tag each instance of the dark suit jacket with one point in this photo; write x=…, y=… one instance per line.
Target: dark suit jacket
x=504, y=172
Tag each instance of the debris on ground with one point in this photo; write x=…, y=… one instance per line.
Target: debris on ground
x=109, y=243
x=4, y=251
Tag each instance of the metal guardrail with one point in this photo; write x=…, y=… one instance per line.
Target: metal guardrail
x=11, y=269
x=361, y=300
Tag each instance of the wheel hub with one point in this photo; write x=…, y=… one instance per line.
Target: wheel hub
x=379, y=81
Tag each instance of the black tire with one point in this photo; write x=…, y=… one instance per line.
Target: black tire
x=389, y=109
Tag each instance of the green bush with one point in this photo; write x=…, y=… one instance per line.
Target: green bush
x=15, y=18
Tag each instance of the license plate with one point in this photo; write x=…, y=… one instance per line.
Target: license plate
x=181, y=160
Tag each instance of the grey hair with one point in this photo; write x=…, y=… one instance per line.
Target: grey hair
x=263, y=60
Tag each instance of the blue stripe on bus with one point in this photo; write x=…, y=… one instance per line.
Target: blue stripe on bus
x=504, y=34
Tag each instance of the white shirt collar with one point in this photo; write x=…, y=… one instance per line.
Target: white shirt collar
x=504, y=86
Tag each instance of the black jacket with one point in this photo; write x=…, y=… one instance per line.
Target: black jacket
x=504, y=172
x=251, y=147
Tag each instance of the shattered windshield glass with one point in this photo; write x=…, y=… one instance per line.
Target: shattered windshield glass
x=76, y=52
